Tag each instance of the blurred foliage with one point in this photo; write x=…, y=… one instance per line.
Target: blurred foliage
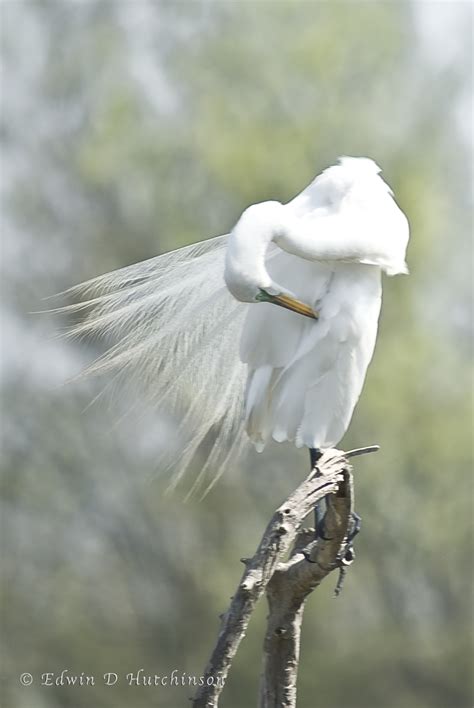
x=130, y=128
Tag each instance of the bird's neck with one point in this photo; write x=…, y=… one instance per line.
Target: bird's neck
x=245, y=271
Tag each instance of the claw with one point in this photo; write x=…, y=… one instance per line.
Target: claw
x=356, y=524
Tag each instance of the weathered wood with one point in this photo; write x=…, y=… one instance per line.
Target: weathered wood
x=287, y=583
x=287, y=591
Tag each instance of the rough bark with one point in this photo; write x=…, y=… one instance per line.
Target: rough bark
x=287, y=582
x=287, y=591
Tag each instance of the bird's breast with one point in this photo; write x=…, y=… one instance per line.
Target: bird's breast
x=350, y=302
x=346, y=296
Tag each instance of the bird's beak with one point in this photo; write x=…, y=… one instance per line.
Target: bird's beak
x=289, y=303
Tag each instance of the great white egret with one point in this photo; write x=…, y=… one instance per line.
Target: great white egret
x=199, y=329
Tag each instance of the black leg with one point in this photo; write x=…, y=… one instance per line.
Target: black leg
x=356, y=523
x=319, y=512
x=314, y=455
x=348, y=556
x=321, y=506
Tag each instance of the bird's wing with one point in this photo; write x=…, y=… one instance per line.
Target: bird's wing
x=304, y=376
x=173, y=328
x=274, y=338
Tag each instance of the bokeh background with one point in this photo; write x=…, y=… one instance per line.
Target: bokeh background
x=130, y=128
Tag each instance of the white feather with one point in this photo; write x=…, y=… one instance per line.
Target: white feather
x=175, y=331
x=221, y=365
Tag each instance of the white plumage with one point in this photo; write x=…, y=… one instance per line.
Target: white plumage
x=226, y=364
x=305, y=376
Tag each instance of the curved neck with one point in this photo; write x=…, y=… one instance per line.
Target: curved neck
x=245, y=272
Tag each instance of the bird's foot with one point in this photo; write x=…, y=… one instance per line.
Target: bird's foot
x=354, y=527
x=347, y=555
x=344, y=565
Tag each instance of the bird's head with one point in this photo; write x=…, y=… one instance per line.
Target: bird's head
x=347, y=215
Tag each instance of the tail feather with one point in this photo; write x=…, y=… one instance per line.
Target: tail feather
x=173, y=329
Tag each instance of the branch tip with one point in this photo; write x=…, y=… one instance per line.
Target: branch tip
x=361, y=451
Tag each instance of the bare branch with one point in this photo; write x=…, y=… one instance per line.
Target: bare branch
x=304, y=571
x=361, y=451
x=287, y=591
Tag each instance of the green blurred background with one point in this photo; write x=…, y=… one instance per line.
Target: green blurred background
x=130, y=128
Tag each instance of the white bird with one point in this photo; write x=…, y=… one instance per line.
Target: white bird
x=199, y=329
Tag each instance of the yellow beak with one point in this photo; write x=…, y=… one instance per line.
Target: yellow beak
x=288, y=303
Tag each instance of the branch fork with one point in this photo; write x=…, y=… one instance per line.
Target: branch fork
x=288, y=565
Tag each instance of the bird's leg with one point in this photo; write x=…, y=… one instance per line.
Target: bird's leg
x=347, y=555
x=320, y=507
x=315, y=454
x=356, y=523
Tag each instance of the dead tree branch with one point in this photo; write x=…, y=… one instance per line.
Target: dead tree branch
x=287, y=591
x=287, y=583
